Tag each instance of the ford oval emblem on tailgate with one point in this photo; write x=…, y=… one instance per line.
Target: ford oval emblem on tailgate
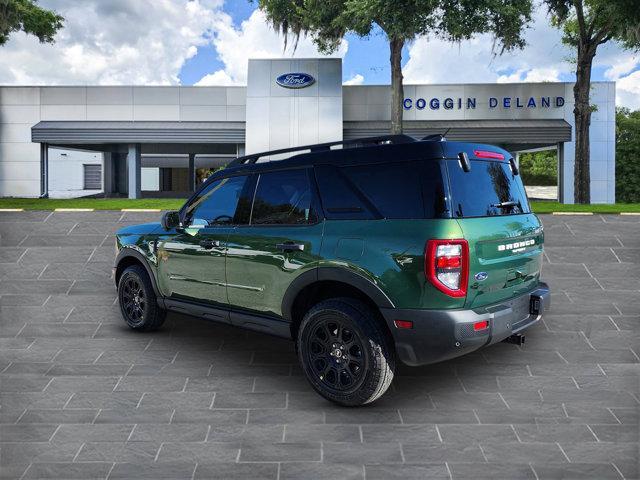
x=295, y=80
x=480, y=276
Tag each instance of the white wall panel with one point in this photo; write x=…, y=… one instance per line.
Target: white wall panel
x=19, y=95
x=110, y=112
x=63, y=112
x=109, y=95
x=63, y=95
x=19, y=114
x=156, y=112
x=156, y=95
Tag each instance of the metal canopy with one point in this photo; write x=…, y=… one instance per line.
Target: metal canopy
x=539, y=132
x=78, y=133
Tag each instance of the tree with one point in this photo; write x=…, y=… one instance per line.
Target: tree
x=327, y=22
x=587, y=24
x=28, y=17
x=627, y=155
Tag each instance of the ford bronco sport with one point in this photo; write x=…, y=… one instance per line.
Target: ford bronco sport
x=383, y=249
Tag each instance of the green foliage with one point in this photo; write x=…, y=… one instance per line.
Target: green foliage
x=627, y=155
x=28, y=17
x=539, y=168
x=327, y=21
x=597, y=21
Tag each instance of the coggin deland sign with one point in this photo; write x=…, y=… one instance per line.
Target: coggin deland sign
x=469, y=103
x=302, y=80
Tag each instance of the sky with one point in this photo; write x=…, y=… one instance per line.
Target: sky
x=208, y=42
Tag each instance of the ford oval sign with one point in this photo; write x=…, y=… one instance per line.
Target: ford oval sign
x=295, y=80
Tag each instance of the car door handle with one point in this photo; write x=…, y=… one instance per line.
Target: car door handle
x=209, y=244
x=290, y=247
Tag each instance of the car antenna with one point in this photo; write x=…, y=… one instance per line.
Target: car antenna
x=440, y=136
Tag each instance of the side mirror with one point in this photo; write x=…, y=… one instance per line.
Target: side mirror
x=170, y=220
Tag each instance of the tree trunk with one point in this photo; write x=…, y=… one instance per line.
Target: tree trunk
x=397, y=91
x=582, y=113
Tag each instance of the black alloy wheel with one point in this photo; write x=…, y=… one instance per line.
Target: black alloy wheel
x=336, y=355
x=138, y=302
x=346, y=352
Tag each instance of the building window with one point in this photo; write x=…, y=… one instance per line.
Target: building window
x=92, y=177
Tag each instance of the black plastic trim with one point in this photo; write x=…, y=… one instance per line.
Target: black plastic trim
x=245, y=320
x=320, y=274
x=127, y=252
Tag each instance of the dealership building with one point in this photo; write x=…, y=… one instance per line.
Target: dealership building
x=151, y=141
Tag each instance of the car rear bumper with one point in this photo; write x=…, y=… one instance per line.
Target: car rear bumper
x=439, y=335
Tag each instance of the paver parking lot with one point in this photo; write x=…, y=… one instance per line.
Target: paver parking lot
x=82, y=396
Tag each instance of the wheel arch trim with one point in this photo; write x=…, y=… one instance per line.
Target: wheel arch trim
x=128, y=252
x=342, y=275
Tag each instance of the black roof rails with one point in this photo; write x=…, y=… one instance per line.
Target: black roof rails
x=320, y=147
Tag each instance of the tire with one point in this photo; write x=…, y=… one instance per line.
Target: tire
x=138, y=302
x=345, y=353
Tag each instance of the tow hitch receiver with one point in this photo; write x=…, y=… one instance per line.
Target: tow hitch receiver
x=535, y=305
x=516, y=339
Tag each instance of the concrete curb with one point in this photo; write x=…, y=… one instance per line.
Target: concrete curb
x=140, y=210
x=572, y=213
x=74, y=210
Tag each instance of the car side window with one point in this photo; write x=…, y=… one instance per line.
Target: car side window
x=216, y=204
x=283, y=198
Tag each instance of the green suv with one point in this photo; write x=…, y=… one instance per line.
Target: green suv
x=380, y=250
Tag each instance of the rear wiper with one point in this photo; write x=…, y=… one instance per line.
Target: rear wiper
x=505, y=204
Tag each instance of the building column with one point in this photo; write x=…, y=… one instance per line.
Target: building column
x=44, y=170
x=133, y=170
x=560, y=157
x=192, y=172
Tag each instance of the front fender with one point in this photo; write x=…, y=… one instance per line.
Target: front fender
x=129, y=253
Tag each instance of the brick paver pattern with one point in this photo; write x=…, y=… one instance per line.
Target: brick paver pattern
x=82, y=396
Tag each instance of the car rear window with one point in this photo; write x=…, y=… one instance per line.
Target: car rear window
x=397, y=190
x=486, y=190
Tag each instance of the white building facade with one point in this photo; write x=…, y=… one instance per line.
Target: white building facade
x=161, y=141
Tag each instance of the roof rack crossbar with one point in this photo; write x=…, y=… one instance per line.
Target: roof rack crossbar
x=320, y=147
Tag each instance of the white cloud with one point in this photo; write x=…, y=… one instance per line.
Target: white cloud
x=531, y=75
x=114, y=42
x=544, y=59
x=357, y=79
x=432, y=60
x=628, y=91
x=253, y=39
x=219, y=77
x=622, y=65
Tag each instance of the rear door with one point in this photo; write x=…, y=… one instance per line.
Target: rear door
x=281, y=241
x=505, y=238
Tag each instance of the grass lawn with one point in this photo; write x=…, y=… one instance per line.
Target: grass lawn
x=548, y=207
x=95, y=203
x=176, y=203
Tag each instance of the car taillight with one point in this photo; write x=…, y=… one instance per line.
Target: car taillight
x=447, y=266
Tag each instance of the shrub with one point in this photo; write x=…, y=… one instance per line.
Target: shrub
x=539, y=168
x=627, y=156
